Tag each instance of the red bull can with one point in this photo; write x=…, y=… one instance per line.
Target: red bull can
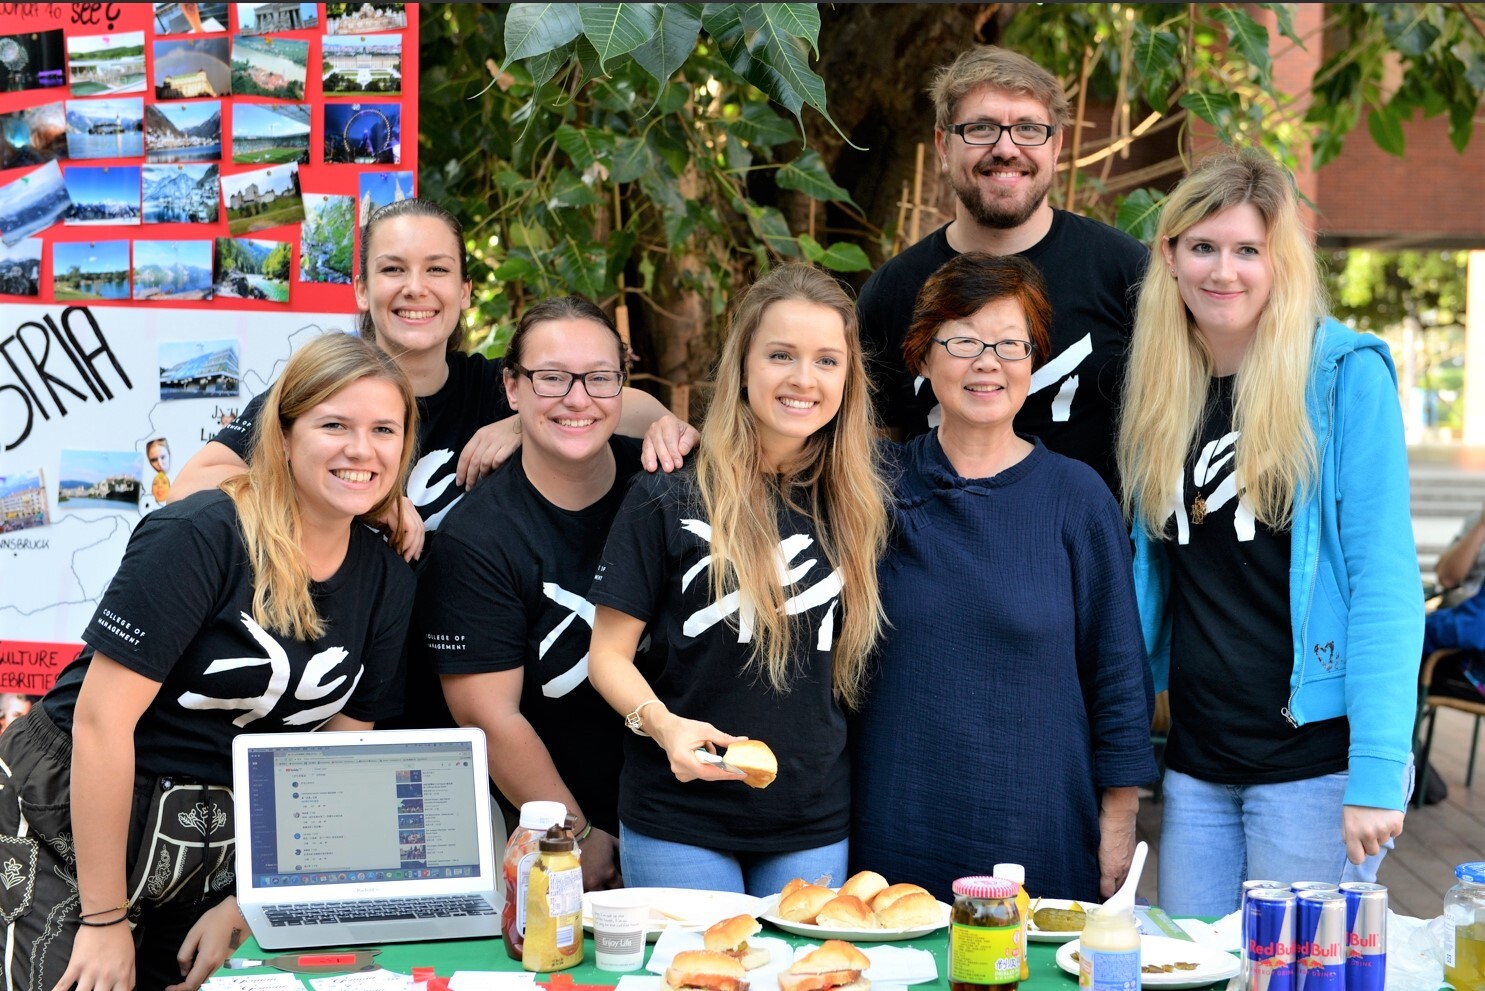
x=1268, y=939
x=1301, y=886
x=1366, y=935
x=1320, y=943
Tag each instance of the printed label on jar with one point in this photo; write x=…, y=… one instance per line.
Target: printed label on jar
x=565, y=893
x=1109, y=970
x=523, y=881
x=984, y=954
x=1449, y=946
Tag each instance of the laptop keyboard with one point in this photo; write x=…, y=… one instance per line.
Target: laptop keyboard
x=378, y=910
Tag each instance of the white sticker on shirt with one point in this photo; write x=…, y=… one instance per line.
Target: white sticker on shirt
x=826, y=591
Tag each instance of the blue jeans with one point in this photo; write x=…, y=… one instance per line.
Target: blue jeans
x=652, y=863
x=1213, y=837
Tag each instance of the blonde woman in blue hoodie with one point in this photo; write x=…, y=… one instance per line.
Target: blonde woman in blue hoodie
x=1264, y=470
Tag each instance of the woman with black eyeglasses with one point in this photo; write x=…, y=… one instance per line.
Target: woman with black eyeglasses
x=502, y=596
x=1010, y=704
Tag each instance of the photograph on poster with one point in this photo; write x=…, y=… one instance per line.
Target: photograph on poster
x=262, y=18
x=364, y=18
x=246, y=268
x=360, y=65
x=180, y=194
x=34, y=60
x=100, y=65
x=33, y=136
x=327, y=238
x=380, y=188
x=198, y=369
x=270, y=133
x=188, y=68
x=20, y=268
x=262, y=199
x=102, y=194
x=271, y=67
x=98, y=480
x=33, y=202
x=105, y=128
x=183, y=131
x=90, y=270
x=363, y=133
x=23, y=503
x=157, y=453
x=172, y=270
x=190, y=18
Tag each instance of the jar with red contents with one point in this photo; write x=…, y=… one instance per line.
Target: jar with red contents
x=985, y=941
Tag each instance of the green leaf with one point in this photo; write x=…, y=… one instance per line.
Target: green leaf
x=801, y=20
x=1406, y=29
x=1326, y=146
x=807, y=174
x=679, y=225
x=1210, y=107
x=769, y=225
x=531, y=236
x=1138, y=213
x=1386, y=131
x=1474, y=72
x=632, y=159
x=1153, y=54
x=616, y=29
x=760, y=125
x=839, y=257
x=1284, y=17
x=514, y=268
x=583, y=268
x=534, y=28
x=546, y=65
x=1247, y=36
x=662, y=191
x=569, y=190
x=723, y=21
x=676, y=31
x=784, y=56
x=584, y=145
x=1461, y=125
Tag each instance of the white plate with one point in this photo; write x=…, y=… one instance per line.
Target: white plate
x=1036, y=935
x=1214, y=965
x=684, y=908
x=851, y=935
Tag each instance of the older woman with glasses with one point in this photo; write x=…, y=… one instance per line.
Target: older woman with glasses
x=1008, y=716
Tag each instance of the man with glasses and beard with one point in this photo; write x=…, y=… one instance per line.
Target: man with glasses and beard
x=998, y=132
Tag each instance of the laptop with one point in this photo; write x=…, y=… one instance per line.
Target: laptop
x=375, y=837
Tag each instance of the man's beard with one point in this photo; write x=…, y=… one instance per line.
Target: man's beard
x=1001, y=213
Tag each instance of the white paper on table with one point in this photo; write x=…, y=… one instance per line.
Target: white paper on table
x=491, y=980
x=1207, y=934
x=277, y=981
x=367, y=980
x=890, y=964
x=638, y=982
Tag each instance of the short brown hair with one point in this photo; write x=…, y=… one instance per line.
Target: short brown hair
x=968, y=283
x=989, y=65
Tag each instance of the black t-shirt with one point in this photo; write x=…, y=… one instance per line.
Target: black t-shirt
x=1232, y=651
x=505, y=588
x=473, y=396
x=1092, y=272
x=655, y=568
x=179, y=611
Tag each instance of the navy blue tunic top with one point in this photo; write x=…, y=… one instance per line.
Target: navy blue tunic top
x=1012, y=685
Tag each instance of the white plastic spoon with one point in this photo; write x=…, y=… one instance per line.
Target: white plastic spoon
x=1123, y=899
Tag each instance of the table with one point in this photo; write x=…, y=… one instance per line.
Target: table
x=489, y=954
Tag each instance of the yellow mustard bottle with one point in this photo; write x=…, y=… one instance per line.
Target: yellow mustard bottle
x=1017, y=874
x=554, y=906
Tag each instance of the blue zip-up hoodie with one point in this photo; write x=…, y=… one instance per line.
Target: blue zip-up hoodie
x=1355, y=594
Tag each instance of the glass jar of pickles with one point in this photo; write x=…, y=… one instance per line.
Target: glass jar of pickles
x=985, y=941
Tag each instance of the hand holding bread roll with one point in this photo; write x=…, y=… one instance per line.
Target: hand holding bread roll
x=756, y=760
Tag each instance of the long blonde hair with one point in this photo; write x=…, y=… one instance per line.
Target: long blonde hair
x=267, y=503
x=1170, y=366
x=838, y=469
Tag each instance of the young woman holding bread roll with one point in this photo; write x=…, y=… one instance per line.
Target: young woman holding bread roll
x=767, y=612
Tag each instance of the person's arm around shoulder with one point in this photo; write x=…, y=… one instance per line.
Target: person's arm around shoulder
x=611, y=669
x=520, y=764
x=206, y=469
x=1385, y=619
x=109, y=704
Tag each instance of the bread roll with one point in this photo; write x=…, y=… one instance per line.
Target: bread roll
x=891, y=893
x=846, y=912
x=912, y=910
x=864, y=885
x=804, y=904
x=792, y=887
x=756, y=760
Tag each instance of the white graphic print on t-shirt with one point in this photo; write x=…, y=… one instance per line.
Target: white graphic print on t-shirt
x=1215, y=461
x=310, y=688
x=580, y=608
x=826, y=590
x=423, y=488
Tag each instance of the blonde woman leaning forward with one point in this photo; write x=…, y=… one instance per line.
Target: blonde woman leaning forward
x=1261, y=451
x=266, y=606
x=756, y=565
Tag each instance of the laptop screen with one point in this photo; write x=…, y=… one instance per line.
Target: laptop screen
x=376, y=812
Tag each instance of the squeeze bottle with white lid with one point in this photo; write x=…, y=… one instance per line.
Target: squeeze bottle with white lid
x=1109, y=951
x=1017, y=873
x=520, y=853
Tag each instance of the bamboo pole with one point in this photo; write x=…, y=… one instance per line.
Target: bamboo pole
x=621, y=311
x=900, y=231
x=918, y=196
x=1072, y=173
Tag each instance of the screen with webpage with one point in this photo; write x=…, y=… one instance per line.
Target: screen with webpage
x=372, y=812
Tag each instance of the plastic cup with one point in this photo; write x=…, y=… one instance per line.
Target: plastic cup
x=619, y=919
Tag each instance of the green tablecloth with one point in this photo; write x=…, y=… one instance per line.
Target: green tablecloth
x=489, y=954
